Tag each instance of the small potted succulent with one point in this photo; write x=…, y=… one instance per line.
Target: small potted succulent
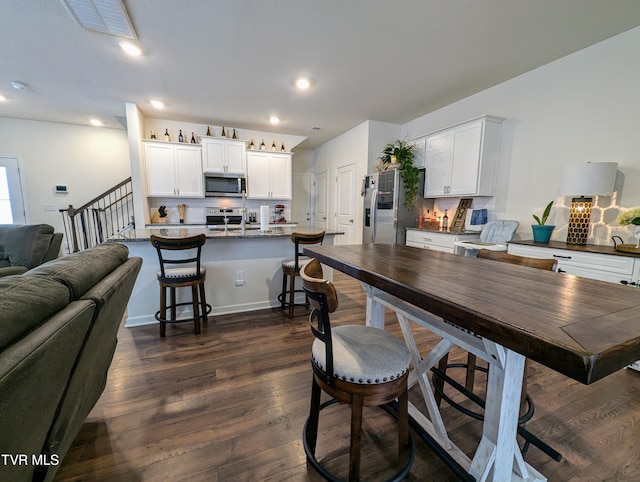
x=541, y=231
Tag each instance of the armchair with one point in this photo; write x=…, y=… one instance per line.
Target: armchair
x=25, y=246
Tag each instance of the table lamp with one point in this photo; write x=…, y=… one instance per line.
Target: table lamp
x=583, y=181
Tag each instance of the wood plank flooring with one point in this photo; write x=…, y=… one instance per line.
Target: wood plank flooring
x=229, y=405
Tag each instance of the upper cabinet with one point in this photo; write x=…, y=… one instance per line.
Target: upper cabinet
x=463, y=160
x=223, y=155
x=173, y=169
x=269, y=175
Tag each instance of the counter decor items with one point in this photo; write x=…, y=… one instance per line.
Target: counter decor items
x=182, y=209
x=264, y=218
x=459, y=219
x=541, y=231
x=160, y=216
x=402, y=153
x=630, y=217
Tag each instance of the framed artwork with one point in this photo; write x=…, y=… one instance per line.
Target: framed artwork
x=461, y=215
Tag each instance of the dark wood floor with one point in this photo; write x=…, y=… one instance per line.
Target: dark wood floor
x=230, y=404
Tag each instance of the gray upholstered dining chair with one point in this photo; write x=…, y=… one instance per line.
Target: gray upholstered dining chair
x=355, y=364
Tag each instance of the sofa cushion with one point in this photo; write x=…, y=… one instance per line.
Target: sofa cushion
x=25, y=245
x=26, y=303
x=82, y=270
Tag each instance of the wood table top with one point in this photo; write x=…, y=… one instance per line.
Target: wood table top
x=585, y=329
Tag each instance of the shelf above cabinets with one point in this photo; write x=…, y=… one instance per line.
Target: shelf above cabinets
x=462, y=160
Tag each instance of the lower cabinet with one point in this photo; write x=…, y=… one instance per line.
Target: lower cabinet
x=586, y=262
x=438, y=241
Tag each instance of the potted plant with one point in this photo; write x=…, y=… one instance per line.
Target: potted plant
x=402, y=152
x=542, y=231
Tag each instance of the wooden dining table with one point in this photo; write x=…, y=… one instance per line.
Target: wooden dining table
x=503, y=313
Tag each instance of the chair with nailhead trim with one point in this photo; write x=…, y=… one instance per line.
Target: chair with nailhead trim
x=355, y=364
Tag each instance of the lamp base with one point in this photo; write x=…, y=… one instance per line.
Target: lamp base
x=579, y=220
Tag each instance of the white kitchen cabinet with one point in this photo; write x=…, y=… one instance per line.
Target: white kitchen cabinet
x=419, y=152
x=463, y=160
x=595, y=262
x=436, y=240
x=269, y=175
x=223, y=155
x=173, y=169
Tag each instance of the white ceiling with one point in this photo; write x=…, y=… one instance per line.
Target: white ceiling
x=233, y=62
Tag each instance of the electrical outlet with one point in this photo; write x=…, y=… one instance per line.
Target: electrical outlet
x=48, y=207
x=239, y=278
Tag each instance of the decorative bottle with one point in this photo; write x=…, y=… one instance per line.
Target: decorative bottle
x=166, y=135
x=224, y=134
x=252, y=145
x=208, y=131
x=282, y=149
x=193, y=139
x=180, y=136
x=153, y=134
x=234, y=136
x=273, y=146
x=262, y=146
x=445, y=220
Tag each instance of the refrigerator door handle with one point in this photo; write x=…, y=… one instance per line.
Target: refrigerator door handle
x=374, y=204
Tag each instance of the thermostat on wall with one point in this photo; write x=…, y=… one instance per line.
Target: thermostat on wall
x=61, y=189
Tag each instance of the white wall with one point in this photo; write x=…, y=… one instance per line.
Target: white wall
x=583, y=107
x=89, y=160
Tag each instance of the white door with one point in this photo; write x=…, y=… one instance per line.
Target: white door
x=346, y=204
x=12, y=208
x=301, y=203
x=320, y=197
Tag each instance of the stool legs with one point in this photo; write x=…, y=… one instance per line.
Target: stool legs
x=356, y=435
x=163, y=310
x=198, y=304
x=292, y=293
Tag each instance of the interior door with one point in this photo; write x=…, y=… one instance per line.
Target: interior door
x=12, y=206
x=320, y=197
x=301, y=204
x=346, y=204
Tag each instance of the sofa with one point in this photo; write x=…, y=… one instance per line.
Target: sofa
x=58, y=333
x=25, y=246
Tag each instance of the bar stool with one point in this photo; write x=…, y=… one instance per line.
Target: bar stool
x=354, y=364
x=189, y=273
x=291, y=269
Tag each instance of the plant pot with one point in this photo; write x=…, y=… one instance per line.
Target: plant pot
x=542, y=233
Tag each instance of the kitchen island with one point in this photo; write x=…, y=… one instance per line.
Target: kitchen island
x=243, y=268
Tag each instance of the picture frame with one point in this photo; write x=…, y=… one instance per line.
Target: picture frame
x=458, y=223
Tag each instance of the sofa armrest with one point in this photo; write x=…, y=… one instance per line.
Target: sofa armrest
x=11, y=270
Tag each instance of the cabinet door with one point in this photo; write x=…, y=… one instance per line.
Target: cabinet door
x=465, y=163
x=190, y=180
x=438, y=164
x=160, y=169
x=258, y=175
x=235, y=157
x=213, y=155
x=280, y=174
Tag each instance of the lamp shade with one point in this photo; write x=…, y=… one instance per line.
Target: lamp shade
x=588, y=179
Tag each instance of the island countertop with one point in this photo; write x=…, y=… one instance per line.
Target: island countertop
x=143, y=235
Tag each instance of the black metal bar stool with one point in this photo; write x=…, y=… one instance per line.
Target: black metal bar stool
x=188, y=273
x=354, y=364
x=291, y=269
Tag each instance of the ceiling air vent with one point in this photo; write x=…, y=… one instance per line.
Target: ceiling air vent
x=314, y=129
x=105, y=16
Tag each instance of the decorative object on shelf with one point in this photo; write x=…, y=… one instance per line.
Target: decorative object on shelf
x=252, y=145
x=208, y=131
x=182, y=209
x=223, y=134
x=153, y=134
x=234, y=136
x=273, y=146
x=458, y=223
x=262, y=146
x=282, y=149
x=541, y=231
x=166, y=135
x=630, y=217
x=445, y=221
x=193, y=138
x=588, y=179
x=401, y=153
x=180, y=136
x=160, y=216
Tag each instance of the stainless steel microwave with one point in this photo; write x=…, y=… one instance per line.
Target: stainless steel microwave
x=224, y=185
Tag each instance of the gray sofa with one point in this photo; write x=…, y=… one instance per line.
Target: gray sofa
x=25, y=246
x=58, y=327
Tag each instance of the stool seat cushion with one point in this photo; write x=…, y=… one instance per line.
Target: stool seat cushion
x=364, y=355
x=185, y=272
x=291, y=262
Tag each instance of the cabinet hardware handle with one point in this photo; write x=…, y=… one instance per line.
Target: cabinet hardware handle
x=561, y=257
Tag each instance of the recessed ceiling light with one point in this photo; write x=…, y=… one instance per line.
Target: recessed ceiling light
x=95, y=122
x=17, y=84
x=2, y=98
x=158, y=104
x=303, y=83
x=130, y=49
x=274, y=119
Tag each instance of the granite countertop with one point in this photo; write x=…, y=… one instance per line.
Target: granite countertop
x=136, y=235
x=444, y=231
x=584, y=248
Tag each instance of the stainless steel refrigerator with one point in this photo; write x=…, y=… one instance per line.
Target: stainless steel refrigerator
x=385, y=215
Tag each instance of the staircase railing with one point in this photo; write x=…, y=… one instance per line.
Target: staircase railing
x=107, y=214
